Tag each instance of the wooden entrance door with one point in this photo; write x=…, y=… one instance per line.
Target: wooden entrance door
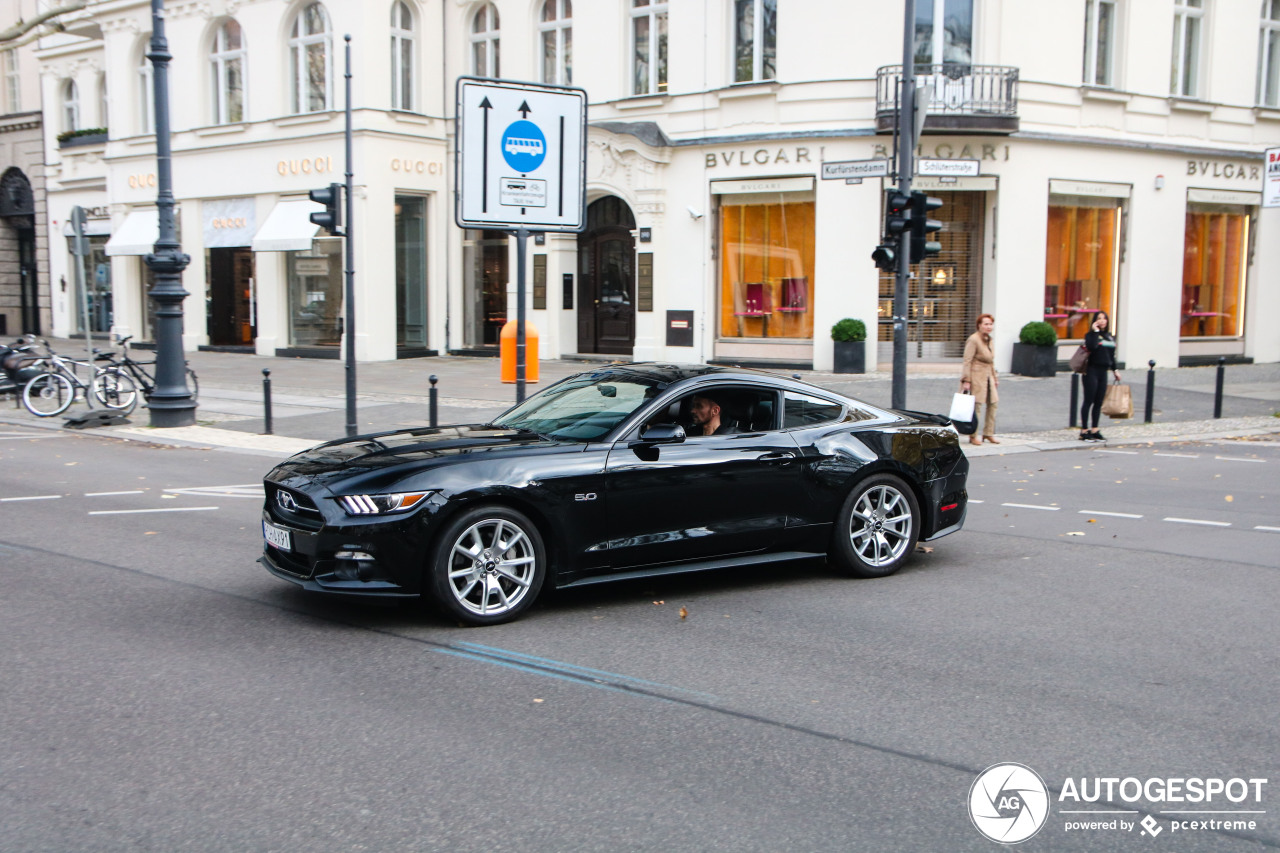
x=607, y=279
x=231, y=297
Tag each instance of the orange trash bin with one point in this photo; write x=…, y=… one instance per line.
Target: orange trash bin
x=507, y=352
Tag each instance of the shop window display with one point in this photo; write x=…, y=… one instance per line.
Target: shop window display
x=315, y=294
x=1213, y=271
x=1080, y=263
x=767, y=285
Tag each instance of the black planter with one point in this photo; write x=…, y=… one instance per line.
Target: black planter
x=1031, y=360
x=85, y=139
x=851, y=356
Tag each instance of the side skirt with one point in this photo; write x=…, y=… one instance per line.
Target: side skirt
x=704, y=565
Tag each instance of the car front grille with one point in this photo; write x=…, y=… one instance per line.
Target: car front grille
x=293, y=507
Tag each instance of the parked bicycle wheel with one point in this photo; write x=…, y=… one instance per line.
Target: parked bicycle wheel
x=116, y=390
x=47, y=395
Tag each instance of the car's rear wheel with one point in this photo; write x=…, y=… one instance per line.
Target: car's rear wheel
x=488, y=565
x=877, y=527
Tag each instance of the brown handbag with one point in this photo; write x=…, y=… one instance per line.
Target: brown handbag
x=1079, y=359
x=1118, y=403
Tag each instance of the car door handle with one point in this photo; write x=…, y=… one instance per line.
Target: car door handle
x=782, y=456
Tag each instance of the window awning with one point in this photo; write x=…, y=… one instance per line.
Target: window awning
x=92, y=228
x=137, y=235
x=288, y=228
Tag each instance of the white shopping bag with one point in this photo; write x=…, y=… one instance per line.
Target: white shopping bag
x=962, y=408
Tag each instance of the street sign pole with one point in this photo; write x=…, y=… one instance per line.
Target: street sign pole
x=349, y=290
x=906, y=151
x=79, y=249
x=522, y=241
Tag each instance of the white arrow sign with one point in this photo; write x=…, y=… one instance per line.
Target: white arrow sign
x=521, y=155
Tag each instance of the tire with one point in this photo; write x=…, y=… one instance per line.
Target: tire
x=877, y=528
x=115, y=390
x=194, y=384
x=47, y=395
x=487, y=566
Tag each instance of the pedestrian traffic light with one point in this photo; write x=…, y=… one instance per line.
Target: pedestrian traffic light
x=886, y=257
x=922, y=226
x=331, y=218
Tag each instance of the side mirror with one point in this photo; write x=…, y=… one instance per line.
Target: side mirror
x=663, y=434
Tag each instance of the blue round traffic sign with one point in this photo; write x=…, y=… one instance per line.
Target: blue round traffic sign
x=523, y=146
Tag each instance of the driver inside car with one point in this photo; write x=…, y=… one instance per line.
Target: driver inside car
x=710, y=417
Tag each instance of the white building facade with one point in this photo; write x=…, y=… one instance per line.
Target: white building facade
x=1118, y=167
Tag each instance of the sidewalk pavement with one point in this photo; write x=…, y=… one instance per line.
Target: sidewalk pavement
x=309, y=404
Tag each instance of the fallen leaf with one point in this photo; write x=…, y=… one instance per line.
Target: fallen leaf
x=538, y=701
x=70, y=463
x=683, y=612
x=659, y=602
x=1093, y=521
x=1074, y=533
x=150, y=533
x=924, y=549
x=1230, y=499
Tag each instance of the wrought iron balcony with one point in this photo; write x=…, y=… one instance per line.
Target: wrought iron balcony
x=962, y=98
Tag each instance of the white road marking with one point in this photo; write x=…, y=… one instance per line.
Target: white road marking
x=1033, y=506
x=25, y=436
x=1237, y=459
x=1179, y=455
x=137, y=511
x=108, y=494
x=1110, y=514
x=246, y=490
x=1268, y=529
x=975, y=502
x=1121, y=452
x=33, y=498
x=1199, y=521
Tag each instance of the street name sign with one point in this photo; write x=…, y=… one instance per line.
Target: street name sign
x=961, y=168
x=855, y=169
x=1271, y=178
x=521, y=159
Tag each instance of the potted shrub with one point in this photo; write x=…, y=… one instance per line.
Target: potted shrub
x=849, y=337
x=1036, y=353
x=84, y=136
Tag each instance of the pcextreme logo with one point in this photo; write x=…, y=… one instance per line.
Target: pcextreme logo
x=1008, y=803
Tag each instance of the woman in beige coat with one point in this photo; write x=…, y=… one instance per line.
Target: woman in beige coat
x=979, y=376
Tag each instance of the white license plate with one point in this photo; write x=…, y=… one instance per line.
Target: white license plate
x=277, y=536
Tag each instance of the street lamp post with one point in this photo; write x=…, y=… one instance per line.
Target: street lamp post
x=171, y=404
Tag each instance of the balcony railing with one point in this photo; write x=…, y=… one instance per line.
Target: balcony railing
x=962, y=98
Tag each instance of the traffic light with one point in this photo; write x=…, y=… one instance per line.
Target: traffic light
x=897, y=214
x=331, y=218
x=897, y=220
x=922, y=226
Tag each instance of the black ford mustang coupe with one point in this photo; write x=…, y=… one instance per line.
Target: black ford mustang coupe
x=626, y=471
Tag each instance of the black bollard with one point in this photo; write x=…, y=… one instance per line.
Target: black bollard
x=1217, y=394
x=433, y=399
x=266, y=401
x=1075, y=398
x=1151, y=388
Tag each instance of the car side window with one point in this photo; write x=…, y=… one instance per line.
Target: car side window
x=802, y=410
x=725, y=410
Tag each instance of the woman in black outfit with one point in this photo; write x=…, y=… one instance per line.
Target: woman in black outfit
x=1102, y=358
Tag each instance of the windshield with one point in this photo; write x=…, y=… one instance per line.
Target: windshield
x=583, y=408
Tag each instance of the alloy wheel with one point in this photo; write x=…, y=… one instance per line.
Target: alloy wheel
x=880, y=526
x=492, y=565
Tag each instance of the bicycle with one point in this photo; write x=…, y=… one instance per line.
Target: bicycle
x=59, y=385
x=137, y=370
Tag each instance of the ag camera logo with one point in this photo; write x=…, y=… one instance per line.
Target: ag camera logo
x=1008, y=803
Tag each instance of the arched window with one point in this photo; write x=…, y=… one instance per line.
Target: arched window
x=70, y=106
x=556, y=30
x=309, y=60
x=226, y=73
x=402, y=59
x=146, y=100
x=1269, y=55
x=484, y=42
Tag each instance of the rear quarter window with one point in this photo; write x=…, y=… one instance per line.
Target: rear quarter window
x=802, y=410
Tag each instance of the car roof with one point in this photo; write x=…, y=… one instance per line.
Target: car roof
x=669, y=372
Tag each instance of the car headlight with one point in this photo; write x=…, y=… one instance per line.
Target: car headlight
x=381, y=504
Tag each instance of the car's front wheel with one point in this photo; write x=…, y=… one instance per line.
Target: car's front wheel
x=877, y=527
x=488, y=565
